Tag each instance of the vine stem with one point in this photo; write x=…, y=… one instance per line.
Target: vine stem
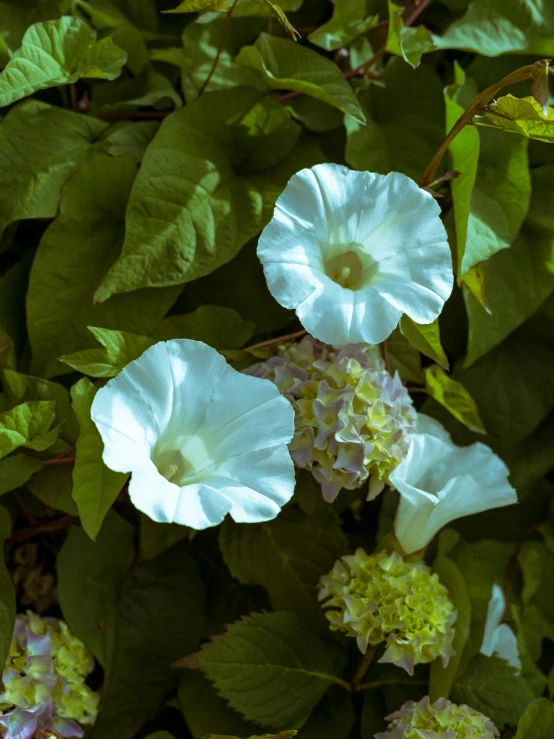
x=521, y=74
x=362, y=669
x=51, y=527
x=379, y=683
x=219, y=48
x=277, y=340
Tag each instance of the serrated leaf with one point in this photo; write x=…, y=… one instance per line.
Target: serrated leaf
x=95, y=487
x=58, y=53
x=288, y=66
x=349, y=20
x=442, y=678
x=120, y=348
x=490, y=685
x=16, y=471
x=122, y=605
x=77, y=249
x=28, y=425
x=406, y=42
x=197, y=189
x=220, y=327
x=425, y=338
x=454, y=397
x=271, y=667
x=199, y=6
x=524, y=116
x=537, y=722
x=7, y=593
x=286, y=556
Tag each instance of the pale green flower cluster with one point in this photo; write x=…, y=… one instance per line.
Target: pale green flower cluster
x=381, y=598
x=441, y=719
x=352, y=417
x=44, y=680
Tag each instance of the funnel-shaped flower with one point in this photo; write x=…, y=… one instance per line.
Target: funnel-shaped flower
x=439, y=720
x=352, y=251
x=201, y=439
x=498, y=638
x=439, y=482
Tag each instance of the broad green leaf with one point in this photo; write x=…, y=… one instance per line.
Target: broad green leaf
x=215, y=325
x=120, y=348
x=537, y=721
x=530, y=460
x=442, y=678
x=40, y=147
x=404, y=122
x=519, y=115
x=53, y=486
x=454, y=397
x=16, y=17
x=490, y=685
x=199, y=6
x=270, y=667
x=28, y=425
x=147, y=88
x=16, y=470
x=95, y=487
x=350, y=20
x=123, y=137
x=537, y=565
x=58, y=53
x=403, y=358
x=77, y=249
x=197, y=188
x=288, y=66
x=117, y=624
x=155, y=537
x=333, y=716
x=406, y=42
x=494, y=27
x=425, y=338
x=13, y=285
x=286, y=556
x=7, y=594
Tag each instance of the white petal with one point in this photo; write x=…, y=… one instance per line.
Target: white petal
x=506, y=647
x=495, y=613
x=152, y=494
x=291, y=284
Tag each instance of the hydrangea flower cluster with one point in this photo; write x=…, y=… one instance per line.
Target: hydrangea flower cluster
x=442, y=719
x=43, y=680
x=352, y=417
x=382, y=598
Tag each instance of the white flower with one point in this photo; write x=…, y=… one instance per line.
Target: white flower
x=439, y=482
x=201, y=439
x=352, y=251
x=498, y=638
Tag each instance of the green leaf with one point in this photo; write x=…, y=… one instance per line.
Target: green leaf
x=494, y=27
x=406, y=42
x=490, y=685
x=122, y=605
x=333, y=716
x=215, y=325
x=287, y=66
x=28, y=425
x=519, y=115
x=271, y=667
x=282, y=18
x=120, y=348
x=403, y=358
x=155, y=537
x=53, y=486
x=95, y=487
x=77, y=249
x=350, y=20
x=40, y=147
x=124, y=137
x=442, y=678
x=425, y=338
x=286, y=556
x=147, y=88
x=404, y=122
x=537, y=721
x=58, y=53
x=194, y=190
x=537, y=564
x=454, y=397
x=7, y=594
x=199, y=6
x=16, y=470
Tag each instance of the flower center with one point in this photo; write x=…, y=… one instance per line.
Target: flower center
x=350, y=266
x=173, y=466
x=182, y=465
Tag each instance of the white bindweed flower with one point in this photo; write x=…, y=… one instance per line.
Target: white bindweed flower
x=200, y=439
x=498, y=638
x=352, y=251
x=439, y=482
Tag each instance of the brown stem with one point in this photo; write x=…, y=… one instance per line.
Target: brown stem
x=135, y=114
x=288, y=96
x=485, y=97
x=73, y=94
x=219, y=48
x=362, y=669
x=50, y=527
x=58, y=460
x=420, y=7
x=277, y=340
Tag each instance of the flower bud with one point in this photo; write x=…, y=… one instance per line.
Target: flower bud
x=351, y=416
x=381, y=598
x=442, y=719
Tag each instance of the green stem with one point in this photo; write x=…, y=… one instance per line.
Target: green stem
x=362, y=669
x=219, y=48
x=524, y=73
x=379, y=683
